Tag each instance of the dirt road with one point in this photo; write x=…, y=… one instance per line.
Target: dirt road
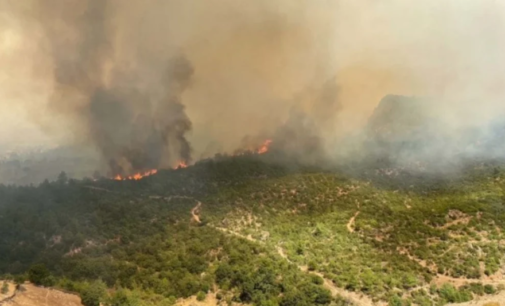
x=350, y=224
x=195, y=212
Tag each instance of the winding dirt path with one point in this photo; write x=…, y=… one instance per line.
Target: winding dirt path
x=170, y=198
x=195, y=212
x=458, y=282
x=47, y=295
x=225, y=230
x=354, y=297
x=280, y=250
x=98, y=188
x=440, y=279
x=491, y=300
x=462, y=220
x=359, y=299
x=350, y=224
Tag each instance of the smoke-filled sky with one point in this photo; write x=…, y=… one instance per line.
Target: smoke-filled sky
x=209, y=73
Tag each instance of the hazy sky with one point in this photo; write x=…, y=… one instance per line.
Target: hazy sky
x=18, y=84
x=253, y=59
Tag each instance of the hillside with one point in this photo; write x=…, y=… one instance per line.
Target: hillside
x=251, y=230
x=406, y=130
x=25, y=166
x=400, y=118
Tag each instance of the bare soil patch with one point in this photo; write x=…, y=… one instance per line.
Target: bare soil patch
x=39, y=296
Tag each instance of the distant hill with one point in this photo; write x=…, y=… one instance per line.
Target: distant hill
x=409, y=129
x=268, y=230
x=33, y=166
x=400, y=118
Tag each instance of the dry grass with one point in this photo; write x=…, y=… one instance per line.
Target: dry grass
x=9, y=293
x=39, y=296
x=210, y=300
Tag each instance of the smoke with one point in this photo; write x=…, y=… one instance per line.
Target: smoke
x=136, y=124
x=142, y=80
x=407, y=131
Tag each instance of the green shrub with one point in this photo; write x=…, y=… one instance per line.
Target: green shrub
x=395, y=301
x=489, y=289
x=312, y=266
x=316, y=279
x=5, y=288
x=201, y=296
x=449, y=293
x=476, y=288
x=123, y=297
x=38, y=274
x=19, y=279
x=93, y=294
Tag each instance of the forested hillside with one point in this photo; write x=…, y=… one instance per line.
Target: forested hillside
x=252, y=230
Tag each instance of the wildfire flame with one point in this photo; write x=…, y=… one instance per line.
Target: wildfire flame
x=181, y=164
x=264, y=147
x=136, y=176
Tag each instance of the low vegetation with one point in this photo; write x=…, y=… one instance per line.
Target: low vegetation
x=266, y=234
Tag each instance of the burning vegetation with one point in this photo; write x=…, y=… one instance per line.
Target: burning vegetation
x=181, y=165
x=143, y=98
x=262, y=149
x=136, y=176
x=136, y=100
x=250, y=146
x=135, y=119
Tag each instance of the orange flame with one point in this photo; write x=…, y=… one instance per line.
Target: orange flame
x=257, y=150
x=264, y=147
x=136, y=176
x=181, y=164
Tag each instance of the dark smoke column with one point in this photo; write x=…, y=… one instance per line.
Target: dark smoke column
x=131, y=111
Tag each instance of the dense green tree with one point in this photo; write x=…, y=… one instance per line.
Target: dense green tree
x=62, y=178
x=38, y=274
x=395, y=300
x=93, y=294
x=137, y=235
x=294, y=298
x=123, y=297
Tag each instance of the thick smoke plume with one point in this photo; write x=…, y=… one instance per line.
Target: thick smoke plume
x=140, y=80
x=136, y=124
